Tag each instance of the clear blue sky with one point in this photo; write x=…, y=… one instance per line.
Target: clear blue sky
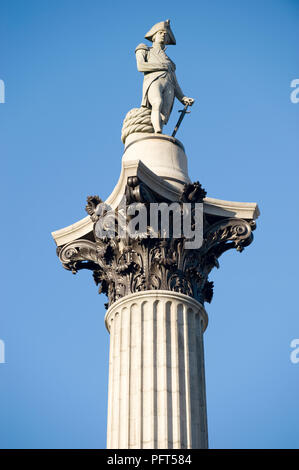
x=70, y=76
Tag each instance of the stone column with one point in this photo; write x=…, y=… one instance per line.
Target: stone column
x=156, y=372
x=156, y=287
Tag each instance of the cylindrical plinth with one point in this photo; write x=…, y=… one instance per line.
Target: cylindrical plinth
x=162, y=154
x=157, y=395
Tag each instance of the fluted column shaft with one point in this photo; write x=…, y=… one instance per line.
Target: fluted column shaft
x=157, y=396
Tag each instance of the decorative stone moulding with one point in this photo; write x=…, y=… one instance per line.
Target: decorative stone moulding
x=124, y=266
x=167, y=189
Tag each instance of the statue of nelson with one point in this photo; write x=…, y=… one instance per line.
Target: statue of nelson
x=160, y=85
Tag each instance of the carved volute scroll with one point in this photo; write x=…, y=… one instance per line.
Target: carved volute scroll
x=123, y=266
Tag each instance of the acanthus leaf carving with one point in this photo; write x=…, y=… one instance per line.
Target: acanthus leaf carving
x=122, y=266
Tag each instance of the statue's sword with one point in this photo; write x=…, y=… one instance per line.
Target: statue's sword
x=183, y=112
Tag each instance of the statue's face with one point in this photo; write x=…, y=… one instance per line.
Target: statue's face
x=160, y=37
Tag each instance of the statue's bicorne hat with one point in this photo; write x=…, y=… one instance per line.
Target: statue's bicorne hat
x=163, y=25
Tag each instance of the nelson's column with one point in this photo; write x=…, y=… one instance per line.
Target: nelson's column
x=155, y=281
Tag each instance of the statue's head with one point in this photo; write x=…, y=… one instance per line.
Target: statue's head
x=161, y=37
x=161, y=33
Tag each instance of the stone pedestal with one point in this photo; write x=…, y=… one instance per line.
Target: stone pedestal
x=162, y=154
x=156, y=372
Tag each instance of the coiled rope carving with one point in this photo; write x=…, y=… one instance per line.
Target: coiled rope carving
x=137, y=120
